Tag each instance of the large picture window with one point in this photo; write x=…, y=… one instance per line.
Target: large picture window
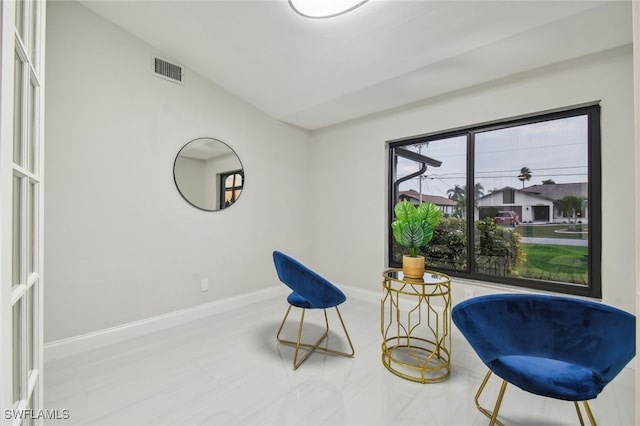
x=532, y=218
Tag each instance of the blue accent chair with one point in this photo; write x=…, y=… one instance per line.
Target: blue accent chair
x=310, y=291
x=558, y=347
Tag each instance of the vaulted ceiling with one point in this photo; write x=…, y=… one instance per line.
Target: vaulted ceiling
x=314, y=73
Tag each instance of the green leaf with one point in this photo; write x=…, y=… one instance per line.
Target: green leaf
x=412, y=235
x=404, y=211
x=397, y=231
x=427, y=233
x=413, y=227
x=430, y=212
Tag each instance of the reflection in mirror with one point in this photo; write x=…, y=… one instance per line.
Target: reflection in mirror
x=208, y=174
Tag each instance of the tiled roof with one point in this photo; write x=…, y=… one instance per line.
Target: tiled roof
x=557, y=191
x=428, y=198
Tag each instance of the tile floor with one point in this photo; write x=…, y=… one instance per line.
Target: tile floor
x=229, y=370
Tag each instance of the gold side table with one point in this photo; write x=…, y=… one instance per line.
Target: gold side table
x=416, y=326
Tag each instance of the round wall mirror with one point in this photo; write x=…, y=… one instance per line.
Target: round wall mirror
x=208, y=174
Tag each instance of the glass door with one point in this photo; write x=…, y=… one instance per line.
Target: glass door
x=21, y=207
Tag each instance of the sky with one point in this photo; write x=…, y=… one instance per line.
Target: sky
x=555, y=149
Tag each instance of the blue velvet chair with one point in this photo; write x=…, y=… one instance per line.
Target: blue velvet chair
x=559, y=347
x=310, y=291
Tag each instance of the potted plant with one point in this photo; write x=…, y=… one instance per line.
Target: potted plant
x=413, y=229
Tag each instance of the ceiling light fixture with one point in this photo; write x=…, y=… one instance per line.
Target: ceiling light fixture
x=318, y=9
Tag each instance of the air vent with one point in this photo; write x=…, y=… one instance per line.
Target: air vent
x=167, y=70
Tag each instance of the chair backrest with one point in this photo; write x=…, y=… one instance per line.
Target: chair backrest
x=573, y=330
x=318, y=291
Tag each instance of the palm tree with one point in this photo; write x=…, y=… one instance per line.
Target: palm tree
x=460, y=191
x=456, y=192
x=459, y=195
x=569, y=206
x=525, y=174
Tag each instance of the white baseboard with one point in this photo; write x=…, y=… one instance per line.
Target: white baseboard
x=99, y=339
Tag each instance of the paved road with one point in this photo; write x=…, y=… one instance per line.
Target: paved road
x=556, y=241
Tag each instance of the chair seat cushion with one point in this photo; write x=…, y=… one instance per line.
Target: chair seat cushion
x=548, y=377
x=296, y=300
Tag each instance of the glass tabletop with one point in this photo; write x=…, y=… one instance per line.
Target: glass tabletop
x=429, y=278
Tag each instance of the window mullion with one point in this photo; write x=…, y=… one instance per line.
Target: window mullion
x=595, y=200
x=470, y=202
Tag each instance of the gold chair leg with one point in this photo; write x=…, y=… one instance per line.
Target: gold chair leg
x=298, y=343
x=282, y=324
x=493, y=416
x=313, y=347
x=592, y=420
x=353, y=351
x=316, y=346
x=589, y=413
x=579, y=413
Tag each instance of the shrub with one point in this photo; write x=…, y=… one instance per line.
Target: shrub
x=448, y=246
x=498, y=249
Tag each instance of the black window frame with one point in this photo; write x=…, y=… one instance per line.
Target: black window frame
x=594, y=147
x=233, y=189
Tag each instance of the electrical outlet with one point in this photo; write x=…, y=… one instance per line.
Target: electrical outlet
x=204, y=284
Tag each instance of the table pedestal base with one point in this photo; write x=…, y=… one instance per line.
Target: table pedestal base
x=416, y=326
x=418, y=360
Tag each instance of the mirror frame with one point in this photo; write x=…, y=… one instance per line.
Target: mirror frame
x=220, y=195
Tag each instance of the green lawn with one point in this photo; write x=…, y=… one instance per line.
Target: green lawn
x=556, y=263
x=548, y=231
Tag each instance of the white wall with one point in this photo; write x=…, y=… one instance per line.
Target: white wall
x=121, y=244
x=351, y=195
